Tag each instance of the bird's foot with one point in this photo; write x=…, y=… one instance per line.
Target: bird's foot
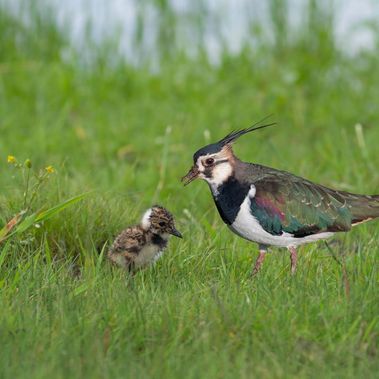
x=258, y=262
x=293, y=256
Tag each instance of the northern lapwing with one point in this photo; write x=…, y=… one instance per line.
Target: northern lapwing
x=141, y=245
x=273, y=207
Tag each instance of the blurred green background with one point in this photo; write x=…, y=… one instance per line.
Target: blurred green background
x=119, y=110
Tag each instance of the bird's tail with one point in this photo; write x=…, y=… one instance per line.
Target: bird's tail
x=364, y=208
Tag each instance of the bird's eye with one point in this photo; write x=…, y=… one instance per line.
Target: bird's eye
x=162, y=223
x=209, y=161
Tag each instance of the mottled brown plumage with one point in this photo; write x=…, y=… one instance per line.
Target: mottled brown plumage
x=138, y=246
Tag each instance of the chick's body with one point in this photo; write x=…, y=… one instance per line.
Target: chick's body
x=136, y=247
x=139, y=246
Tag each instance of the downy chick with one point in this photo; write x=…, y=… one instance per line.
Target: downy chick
x=141, y=245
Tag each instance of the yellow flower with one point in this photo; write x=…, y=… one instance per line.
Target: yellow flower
x=50, y=169
x=11, y=159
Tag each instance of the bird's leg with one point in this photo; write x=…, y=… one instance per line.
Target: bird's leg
x=293, y=256
x=260, y=259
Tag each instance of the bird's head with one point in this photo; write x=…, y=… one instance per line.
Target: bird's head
x=215, y=162
x=160, y=221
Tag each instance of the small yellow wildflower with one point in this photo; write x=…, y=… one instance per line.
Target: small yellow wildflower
x=11, y=159
x=50, y=169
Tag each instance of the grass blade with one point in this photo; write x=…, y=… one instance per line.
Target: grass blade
x=3, y=254
x=45, y=215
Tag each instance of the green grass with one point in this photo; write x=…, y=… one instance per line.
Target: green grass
x=128, y=135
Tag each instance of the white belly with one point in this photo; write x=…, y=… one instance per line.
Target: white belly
x=248, y=227
x=148, y=255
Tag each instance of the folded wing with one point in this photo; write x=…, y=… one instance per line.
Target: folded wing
x=299, y=207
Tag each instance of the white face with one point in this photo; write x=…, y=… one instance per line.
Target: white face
x=214, y=168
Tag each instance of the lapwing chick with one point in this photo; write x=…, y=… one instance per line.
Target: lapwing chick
x=141, y=245
x=273, y=207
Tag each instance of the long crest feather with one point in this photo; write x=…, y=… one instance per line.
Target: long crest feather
x=235, y=134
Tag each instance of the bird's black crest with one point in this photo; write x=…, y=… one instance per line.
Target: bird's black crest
x=235, y=134
x=229, y=139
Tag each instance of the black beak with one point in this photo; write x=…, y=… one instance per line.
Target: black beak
x=192, y=174
x=176, y=233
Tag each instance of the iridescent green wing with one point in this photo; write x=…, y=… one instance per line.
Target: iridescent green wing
x=286, y=203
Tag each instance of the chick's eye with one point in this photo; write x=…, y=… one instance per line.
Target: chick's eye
x=209, y=161
x=162, y=223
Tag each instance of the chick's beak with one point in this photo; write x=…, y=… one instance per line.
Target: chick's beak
x=192, y=174
x=176, y=233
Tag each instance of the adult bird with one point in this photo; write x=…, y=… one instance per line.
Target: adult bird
x=273, y=207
